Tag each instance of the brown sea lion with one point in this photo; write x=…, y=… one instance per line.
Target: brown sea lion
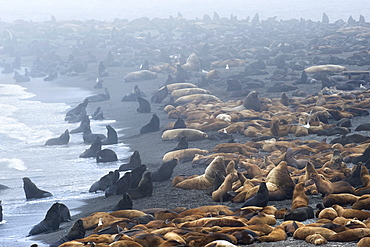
x=325, y=187
x=350, y=235
x=303, y=232
x=316, y=239
x=221, y=194
x=183, y=155
x=300, y=198
x=278, y=234
x=362, y=203
x=342, y=199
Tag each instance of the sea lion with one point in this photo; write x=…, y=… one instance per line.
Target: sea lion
x=300, y=198
x=81, y=127
x=183, y=155
x=316, y=239
x=99, y=97
x=136, y=176
x=221, y=193
x=350, y=235
x=104, y=182
x=78, y=118
x=125, y=203
x=144, y=188
x=134, y=94
x=76, y=110
x=98, y=114
x=134, y=162
x=252, y=101
x=278, y=234
x=140, y=76
x=77, y=231
x=51, y=221
x=165, y=171
x=20, y=78
x=260, y=199
x=152, y=126
x=88, y=137
x=31, y=190
x=1, y=212
x=299, y=214
x=362, y=203
x=342, y=199
x=303, y=232
x=144, y=105
x=111, y=138
x=182, y=144
x=190, y=134
x=98, y=83
x=63, y=139
x=160, y=95
x=196, y=97
x=188, y=91
x=364, y=242
x=325, y=187
x=325, y=68
x=92, y=151
x=120, y=186
x=106, y=155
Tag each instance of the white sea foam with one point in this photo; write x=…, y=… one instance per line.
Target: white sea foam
x=14, y=163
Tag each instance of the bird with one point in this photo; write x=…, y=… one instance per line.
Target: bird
x=307, y=125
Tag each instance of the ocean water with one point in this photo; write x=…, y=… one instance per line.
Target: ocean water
x=31, y=114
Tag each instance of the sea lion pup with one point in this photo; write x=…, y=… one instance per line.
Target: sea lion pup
x=92, y=151
x=362, y=203
x=104, y=182
x=144, y=105
x=191, y=134
x=89, y=137
x=134, y=94
x=120, y=186
x=278, y=234
x=204, y=181
x=98, y=114
x=140, y=76
x=125, y=203
x=291, y=161
x=63, y=139
x=300, y=198
x=299, y=214
x=260, y=199
x=165, y=171
x=77, y=110
x=144, y=188
x=160, y=95
x=325, y=187
x=342, y=199
x=81, y=127
x=152, y=126
x=221, y=194
x=106, y=155
x=51, y=221
x=75, y=232
x=325, y=68
x=183, y=155
x=31, y=190
x=135, y=161
x=99, y=97
x=179, y=124
x=197, y=97
x=112, y=137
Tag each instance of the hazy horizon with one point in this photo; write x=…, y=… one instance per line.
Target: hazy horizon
x=41, y=10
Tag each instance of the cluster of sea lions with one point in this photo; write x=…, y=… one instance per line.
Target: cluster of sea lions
x=261, y=151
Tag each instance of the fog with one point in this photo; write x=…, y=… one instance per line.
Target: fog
x=108, y=10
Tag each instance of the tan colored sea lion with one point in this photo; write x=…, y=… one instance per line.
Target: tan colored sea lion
x=220, y=195
x=325, y=68
x=325, y=187
x=183, y=155
x=278, y=234
x=187, y=91
x=196, y=97
x=234, y=148
x=192, y=63
x=179, y=85
x=300, y=198
x=140, y=75
x=351, y=213
x=190, y=134
x=92, y=221
x=364, y=242
x=303, y=232
x=350, y=235
x=316, y=239
x=204, y=181
x=362, y=203
x=342, y=199
x=328, y=213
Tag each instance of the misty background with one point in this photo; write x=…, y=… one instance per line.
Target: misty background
x=108, y=10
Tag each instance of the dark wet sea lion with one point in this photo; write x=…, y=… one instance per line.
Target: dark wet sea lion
x=136, y=176
x=77, y=231
x=92, y=151
x=106, y=155
x=63, y=139
x=160, y=95
x=112, y=137
x=77, y=110
x=125, y=203
x=144, y=105
x=98, y=114
x=120, y=186
x=365, y=156
x=1, y=212
x=98, y=83
x=134, y=94
x=179, y=124
x=51, y=221
x=105, y=181
x=182, y=144
x=77, y=118
x=81, y=127
x=89, y=137
x=260, y=199
x=144, y=188
x=31, y=190
x=165, y=171
x=299, y=214
x=65, y=215
x=134, y=162
x=20, y=78
x=152, y=126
